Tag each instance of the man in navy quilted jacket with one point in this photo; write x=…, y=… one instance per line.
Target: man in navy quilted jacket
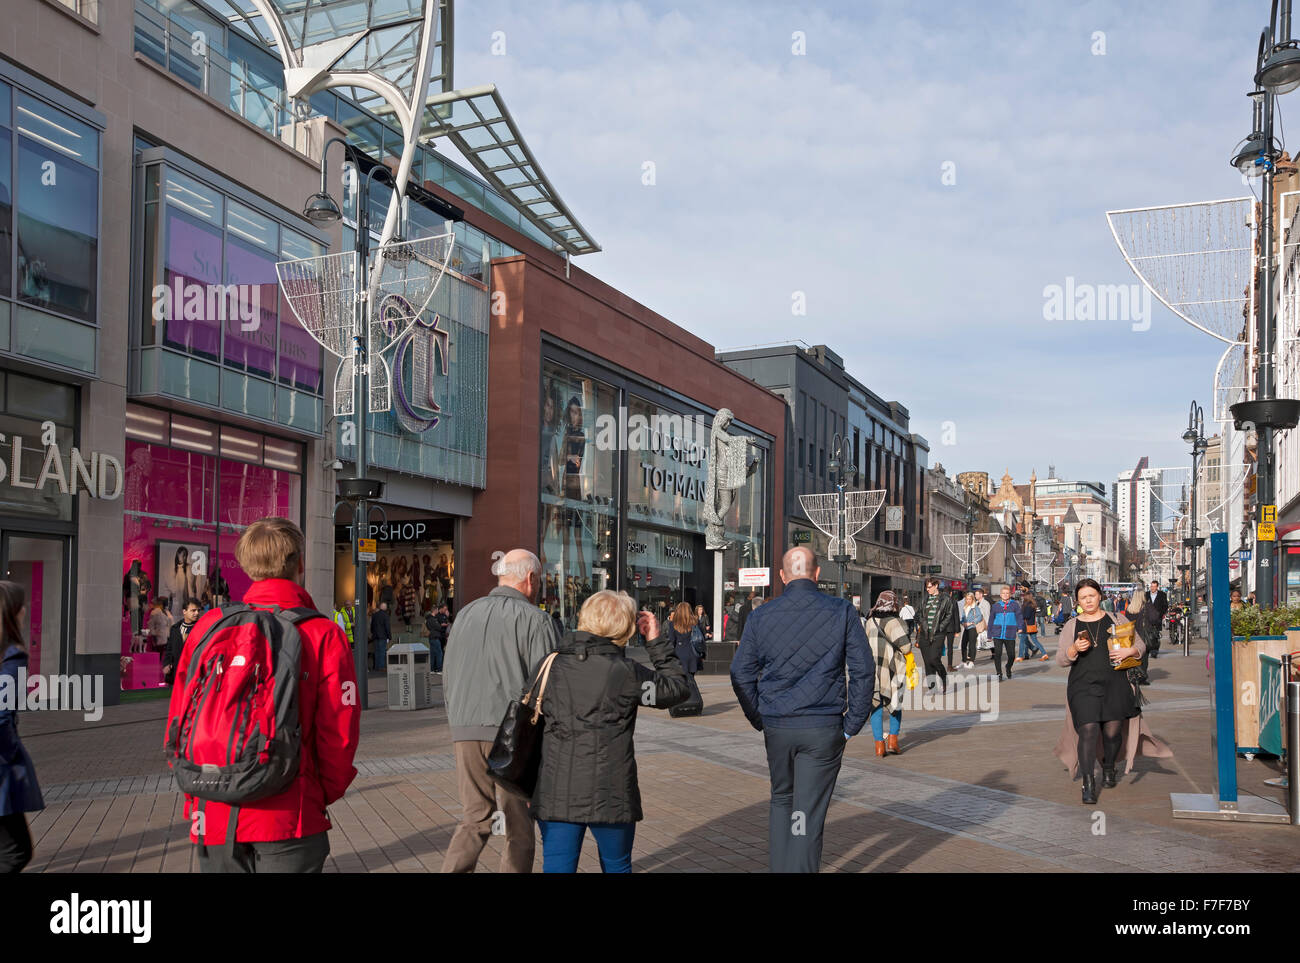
x=803, y=676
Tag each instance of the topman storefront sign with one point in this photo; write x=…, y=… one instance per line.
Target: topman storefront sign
x=98, y=474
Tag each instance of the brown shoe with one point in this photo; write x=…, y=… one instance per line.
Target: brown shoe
x=880, y=748
x=893, y=745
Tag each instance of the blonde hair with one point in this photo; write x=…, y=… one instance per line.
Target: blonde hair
x=683, y=617
x=1136, y=601
x=270, y=548
x=609, y=614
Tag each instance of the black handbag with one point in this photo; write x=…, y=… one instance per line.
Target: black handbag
x=516, y=756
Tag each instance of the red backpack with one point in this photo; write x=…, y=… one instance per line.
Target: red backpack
x=238, y=735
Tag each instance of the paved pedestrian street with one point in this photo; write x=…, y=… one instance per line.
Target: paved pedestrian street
x=965, y=795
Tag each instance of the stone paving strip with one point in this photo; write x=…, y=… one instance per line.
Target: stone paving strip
x=1059, y=834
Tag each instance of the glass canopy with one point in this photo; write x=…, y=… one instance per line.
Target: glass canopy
x=372, y=50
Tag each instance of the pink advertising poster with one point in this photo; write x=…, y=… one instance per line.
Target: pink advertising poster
x=34, y=607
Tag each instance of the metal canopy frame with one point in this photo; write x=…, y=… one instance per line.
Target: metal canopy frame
x=395, y=58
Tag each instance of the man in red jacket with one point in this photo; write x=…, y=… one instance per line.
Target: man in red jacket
x=289, y=831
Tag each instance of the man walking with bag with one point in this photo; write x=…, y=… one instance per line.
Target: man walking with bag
x=789, y=677
x=495, y=644
x=216, y=733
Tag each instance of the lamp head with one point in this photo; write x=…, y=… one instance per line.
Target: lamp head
x=1281, y=70
x=321, y=209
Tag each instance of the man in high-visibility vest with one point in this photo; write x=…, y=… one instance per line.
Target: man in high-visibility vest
x=344, y=617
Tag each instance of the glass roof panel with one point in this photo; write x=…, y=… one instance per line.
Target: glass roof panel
x=477, y=124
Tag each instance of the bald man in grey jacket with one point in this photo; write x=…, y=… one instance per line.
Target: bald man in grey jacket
x=496, y=643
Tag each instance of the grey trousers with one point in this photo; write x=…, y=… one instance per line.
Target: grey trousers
x=803, y=764
x=305, y=855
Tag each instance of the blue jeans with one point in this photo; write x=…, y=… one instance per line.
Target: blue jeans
x=381, y=654
x=435, y=655
x=1028, y=641
x=878, y=722
x=562, y=845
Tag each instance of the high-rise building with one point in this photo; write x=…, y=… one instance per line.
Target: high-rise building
x=1140, y=511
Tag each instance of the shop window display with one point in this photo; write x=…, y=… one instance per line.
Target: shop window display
x=579, y=490
x=184, y=510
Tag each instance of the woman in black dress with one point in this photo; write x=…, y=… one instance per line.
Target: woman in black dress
x=1100, y=698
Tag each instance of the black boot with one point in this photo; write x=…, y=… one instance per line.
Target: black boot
x=1108, y=777
x=1089, y=789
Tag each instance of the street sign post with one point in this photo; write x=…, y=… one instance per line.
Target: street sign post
x=366, y=549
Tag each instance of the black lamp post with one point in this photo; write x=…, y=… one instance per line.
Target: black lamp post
x=1194, y=436
x=1277, y=72
x=840, y=467
x=321, y=209
x=970, y=542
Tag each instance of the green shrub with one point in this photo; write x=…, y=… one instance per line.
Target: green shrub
x=1252, y=620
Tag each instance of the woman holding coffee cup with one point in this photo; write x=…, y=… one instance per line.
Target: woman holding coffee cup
x=1102, y=711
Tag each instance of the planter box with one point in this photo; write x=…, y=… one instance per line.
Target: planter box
x=1246, y=684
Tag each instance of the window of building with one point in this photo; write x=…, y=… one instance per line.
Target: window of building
x=210, y=285
x=579, y=488
x=54, y=215
x=801, y=458
x=192, y=486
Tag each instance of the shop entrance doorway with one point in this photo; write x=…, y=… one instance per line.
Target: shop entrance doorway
x=39, y=563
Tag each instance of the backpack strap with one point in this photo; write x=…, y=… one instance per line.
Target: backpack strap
x=226, y=614
x=232, y=822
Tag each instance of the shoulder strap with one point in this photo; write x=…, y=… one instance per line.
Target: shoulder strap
x=543, y=675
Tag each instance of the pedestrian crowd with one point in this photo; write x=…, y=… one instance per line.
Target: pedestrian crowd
x=264, y=719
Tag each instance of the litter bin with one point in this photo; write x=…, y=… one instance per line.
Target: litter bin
x=408, y=676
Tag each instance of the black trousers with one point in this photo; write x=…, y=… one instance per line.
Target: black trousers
x=1010, y=647
x=969, y=644
x=932, y=653
x=305, y=855
x=15, y=843
x=803, y=765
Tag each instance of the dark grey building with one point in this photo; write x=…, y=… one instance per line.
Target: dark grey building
x=824, y=400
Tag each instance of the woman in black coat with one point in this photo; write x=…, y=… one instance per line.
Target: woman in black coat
x=19, y=791
x=588, y=778
x=686, y=637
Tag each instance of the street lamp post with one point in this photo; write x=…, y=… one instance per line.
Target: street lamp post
x=359, y=491
x=840, y=467
x=1277, y=72
x=1194, y=436
x=970, y=543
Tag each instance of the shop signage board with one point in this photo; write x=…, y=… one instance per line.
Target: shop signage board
x=366, y=549
x=802, y=536
x=755, y=577
x=894, y=518
x=399, y=530
x=22, y=466
x=1270, y=704
x=1233, y=563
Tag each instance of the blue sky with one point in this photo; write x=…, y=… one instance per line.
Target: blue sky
x=821, y=173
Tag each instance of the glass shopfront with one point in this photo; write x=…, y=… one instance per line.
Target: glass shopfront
x=648, y=526
x=36, y=514
x=414, y=569
x=579, y=490
x=192, y=486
